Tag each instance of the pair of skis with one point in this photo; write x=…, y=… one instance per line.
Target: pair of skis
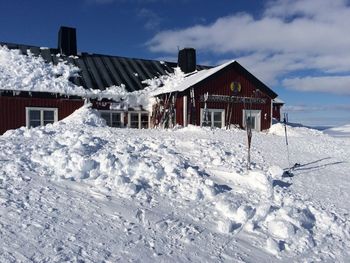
x=192, y=118
x=229, y=111
x=289, y=171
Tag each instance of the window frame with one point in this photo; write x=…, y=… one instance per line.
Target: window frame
x=139, y=119
x=256, y=114
x=41, y=109
x=122, y=124
x=211, y=116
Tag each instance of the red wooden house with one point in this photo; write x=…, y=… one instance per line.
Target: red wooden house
x=221, y=96
x=212, y=96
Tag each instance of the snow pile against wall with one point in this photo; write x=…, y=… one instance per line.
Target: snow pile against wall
x=85, y=116
x=167, y=195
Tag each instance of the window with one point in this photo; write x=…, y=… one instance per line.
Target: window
x=252, y=118
x=138, y=120
x=251, y=121
x=144, y=120
x=215, y=118
x=134, y=120
x=36, y=116
x=113, y=118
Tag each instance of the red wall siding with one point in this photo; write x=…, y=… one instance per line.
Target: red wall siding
x=179, y=111
x=220, y=85
x=13, y=109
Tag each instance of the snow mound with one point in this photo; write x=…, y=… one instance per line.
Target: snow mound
x=84, y=116
x=182, y=195
x=279, y=130
x=74, y=153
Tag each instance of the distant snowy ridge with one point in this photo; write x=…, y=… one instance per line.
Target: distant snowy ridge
x=298, y=130
x=342, y=131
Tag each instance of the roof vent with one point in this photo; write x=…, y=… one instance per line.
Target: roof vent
x=67, y=41
x=187, y=60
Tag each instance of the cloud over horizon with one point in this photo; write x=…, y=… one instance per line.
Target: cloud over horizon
x=290, y=37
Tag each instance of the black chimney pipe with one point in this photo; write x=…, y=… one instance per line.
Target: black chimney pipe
x=67, y=41
x=187, y=60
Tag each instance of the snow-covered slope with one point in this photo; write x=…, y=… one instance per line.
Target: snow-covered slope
x=80, y=191
x=342, y=131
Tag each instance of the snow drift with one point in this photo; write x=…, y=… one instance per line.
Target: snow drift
x=79, y=190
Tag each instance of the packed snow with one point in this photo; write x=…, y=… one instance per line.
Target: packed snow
x=80, y=191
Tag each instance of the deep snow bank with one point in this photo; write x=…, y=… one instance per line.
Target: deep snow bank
x=197, y=176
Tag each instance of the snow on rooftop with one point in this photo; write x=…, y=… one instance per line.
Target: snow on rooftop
x=180, y=82
x=278, y=100
x=33, y=74
x=30, y=73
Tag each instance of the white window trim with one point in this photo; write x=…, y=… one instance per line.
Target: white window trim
x=139, y=118
x=256, y=114
x=115, y=111
x=185, y=111
x=211, y=116
x=41, y=109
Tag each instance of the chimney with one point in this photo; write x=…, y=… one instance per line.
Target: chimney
x=67, y=41
x=187, y=60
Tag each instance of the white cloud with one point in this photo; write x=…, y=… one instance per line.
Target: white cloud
x=312, y=108
x=290, y=36
x=339, y=84
x=152, y=19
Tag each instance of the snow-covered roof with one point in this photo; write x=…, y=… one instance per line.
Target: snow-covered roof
x=278, y=101
x=33, y=74
x=180, y=83
x=33, y=69
x=191, y=79
x=98, y=72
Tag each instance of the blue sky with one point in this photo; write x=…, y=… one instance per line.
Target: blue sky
x=300, y=48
